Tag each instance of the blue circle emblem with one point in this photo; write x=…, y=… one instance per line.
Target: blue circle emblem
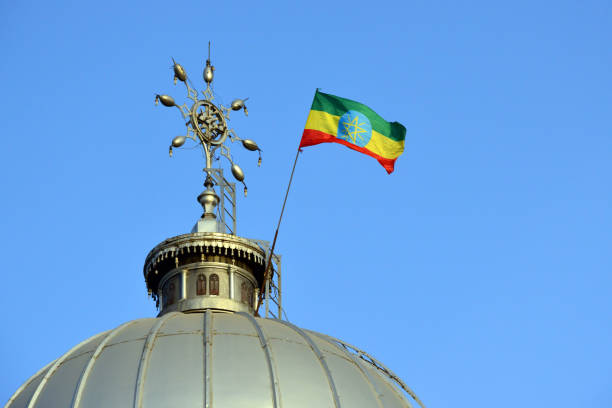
x=355, y=128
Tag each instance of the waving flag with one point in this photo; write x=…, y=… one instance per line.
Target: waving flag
x=340, y=120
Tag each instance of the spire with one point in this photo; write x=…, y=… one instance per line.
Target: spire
x=209, y=201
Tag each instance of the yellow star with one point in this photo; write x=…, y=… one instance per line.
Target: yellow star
x=354, y=129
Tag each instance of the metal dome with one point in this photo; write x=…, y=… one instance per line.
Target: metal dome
x=212, y=359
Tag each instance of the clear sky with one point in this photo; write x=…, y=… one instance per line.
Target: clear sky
x=479, y=271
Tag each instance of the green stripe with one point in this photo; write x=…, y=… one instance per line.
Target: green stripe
x=335, y=105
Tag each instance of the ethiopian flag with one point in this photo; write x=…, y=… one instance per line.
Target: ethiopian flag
x=340, y=120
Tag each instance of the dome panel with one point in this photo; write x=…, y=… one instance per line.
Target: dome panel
x=239, y=363
x=342, y=353
x=278, y=331
x=131, y=331
x=188, y=323
x=300, y=374
x=26, y=391
x=389, y=387
x=351, y=381
x=55, y=393
x=227, y=323
x=352, y=385
x=63, y=367
x=174, y=375
x=389, y=395
x=116, y=369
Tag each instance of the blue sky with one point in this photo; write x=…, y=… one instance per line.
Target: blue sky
x=479, y=271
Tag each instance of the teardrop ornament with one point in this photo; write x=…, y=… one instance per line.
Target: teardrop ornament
x=178, y=141
x=179, y=72
x=250, y=145
x=237, y=172
x=166, y=100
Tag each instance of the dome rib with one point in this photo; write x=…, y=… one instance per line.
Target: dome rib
x=55, y=366
x=207, y=334
x=373, y=362
x=320, y=357
x=76, y=401
x=344, y=351
x=144, y=359
x=266, y=348
x=25, y=384
x=378, y=365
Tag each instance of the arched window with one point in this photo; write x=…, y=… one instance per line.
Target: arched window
x=214, y=284
x=201, y=285
x=244, y=293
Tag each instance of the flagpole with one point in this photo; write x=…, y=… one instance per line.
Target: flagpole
x=267, y=269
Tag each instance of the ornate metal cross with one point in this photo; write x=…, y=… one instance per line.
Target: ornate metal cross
x=207, y=122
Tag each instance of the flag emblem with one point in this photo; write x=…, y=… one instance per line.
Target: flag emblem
x=355, y=127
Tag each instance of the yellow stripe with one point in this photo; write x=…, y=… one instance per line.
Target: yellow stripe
x=378, y=144
x=385, y=147
x=322, y=121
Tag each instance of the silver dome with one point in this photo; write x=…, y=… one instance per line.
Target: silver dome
x=212, y=359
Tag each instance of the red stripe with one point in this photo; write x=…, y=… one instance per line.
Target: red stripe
x=312, y=137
